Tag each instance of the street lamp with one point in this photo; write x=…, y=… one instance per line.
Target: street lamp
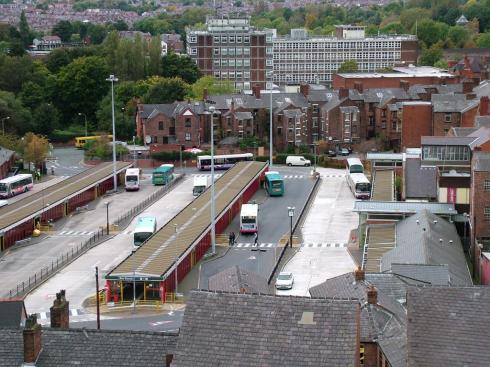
x=113, y=79
x=134, y=150
x=3, y=124
x=106, y=203
x=134, y=280
x=213, y=234
x=270, y=126
x=314, y=157
x=176, y=275
x=291, y=215
x=84, y=115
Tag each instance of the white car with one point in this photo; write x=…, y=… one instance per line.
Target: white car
x=285, y=280
x=297, y=160
x=3, y=203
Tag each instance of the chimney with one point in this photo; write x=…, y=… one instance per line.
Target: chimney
x=484, y=106
x=467, y=62
x=32, y=339
x=358, y=86
x=404, y=84
x=372, y=295
x=470, y=96
x=205, y=94
x=358, y=274
x=343, y=93
x=304, y=89
x=256, y=90
x=60, y=312
x=232, y=105
x=168, y=359
x=467, y=86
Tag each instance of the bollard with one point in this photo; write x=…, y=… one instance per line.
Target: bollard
x=22, y=287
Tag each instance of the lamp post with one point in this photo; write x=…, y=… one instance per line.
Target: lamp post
x=314, y=157
x=134, y=280
x=113, y=79
x=84, y=115
x=106, y=203
x=291, y=215
x=3, y=124
x=134, y=150
x=213, y=234
x=270, y=127
x=176, y=275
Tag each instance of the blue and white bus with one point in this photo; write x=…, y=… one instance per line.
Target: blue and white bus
x=222, y=161
x=274, y=183
x=145, y=228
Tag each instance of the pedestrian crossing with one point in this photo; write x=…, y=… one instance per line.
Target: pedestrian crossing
x=216, y=175
x=269, y=245
x=72, y=233
x=331, y=176
x=286, y=177
x=74, y=312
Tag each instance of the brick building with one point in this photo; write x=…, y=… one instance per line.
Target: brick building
x=171, y=42
x=480, y=198
x=7, y=160
x=452, y=111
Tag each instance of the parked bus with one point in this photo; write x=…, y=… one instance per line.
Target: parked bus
x=81, y=140
x=359, y=185
x=354, y=165
x=15, y=185
x=163, y=175
x=145, y=227
x=201, y=183
x=222, y=161
x=249, y=218
x=132, y=179
x=274, y=183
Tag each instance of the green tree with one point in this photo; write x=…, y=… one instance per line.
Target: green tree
x=45, y=118
x=137, y=59
x=20, y=120
x=349, y=66
x=166, y=90
x=96, y=33
x=458, y=36
x=213, y=86
x=181, y=66
x=14, y=71
x=408, y=17
x=155, y=56
x=430, y=56
x=26, y=35
x=32, y=94
x=110, y=46
x=431, y=32
x=63, y=29
x=483, y=40
x=35, y=149
x=441, y=64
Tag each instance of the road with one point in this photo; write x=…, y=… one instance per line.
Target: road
x=68, y=163
x=325, y=232
x=273, y=224
x=78, y=278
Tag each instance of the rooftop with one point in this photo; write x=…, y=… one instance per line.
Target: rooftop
x=236, y=279
x=403, y=207
x=481, y=161
x=420, y=182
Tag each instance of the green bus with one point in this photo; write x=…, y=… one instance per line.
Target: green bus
x=274, y=183
x=163, y=175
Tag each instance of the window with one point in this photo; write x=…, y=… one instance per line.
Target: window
x=447, y=117
x=246, y=74
x=246, y=62
x=224, y=51
x=188, y=122
x=487, y=212
x=216, y=39
x=231, y=63
x=487, y=185
x=268, y=50
x=192, y=39
x=187, y=136
x=279, y=131
x=224, y=39
x=193, y=51
x=160, y=125
x=216, y=74
x=154, y=140
x=269, y=62
x=216, y=51
x=246, y=39
x=238, y=39
x=246, y=50
x=232, y=39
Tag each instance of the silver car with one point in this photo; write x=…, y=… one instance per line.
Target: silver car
x=285, y=280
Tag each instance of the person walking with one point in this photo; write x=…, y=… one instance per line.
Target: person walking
x=256, y=239
x=233, y=237
x=230, y=239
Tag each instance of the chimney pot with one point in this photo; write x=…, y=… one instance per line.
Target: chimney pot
x=484, y=106
x=304, y=89
x=372, y=295
x=343, y=93
x=359, y=274
x=60, y=311
x=256, y=90
x=32, y=339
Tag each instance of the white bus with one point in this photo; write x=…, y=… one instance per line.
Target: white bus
x=15, y=185
x=249, y=218
x=132, y=179
x=201, y=183
x=359, y=185
x=145, y=227
x=222, y=161
x=354, y=165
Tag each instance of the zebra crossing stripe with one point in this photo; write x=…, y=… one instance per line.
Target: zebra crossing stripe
x=69, y=232
x=74, y=312
x=270, y=244
x=246, y=245
x=239, y=245
x=62, y=232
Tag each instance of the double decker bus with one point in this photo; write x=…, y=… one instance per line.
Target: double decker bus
x=359, y=185
x=81, y=140
x=132, y=179
x=15, y=185
x=274, y=183
x=354, y=165
x=145, y=227
x=163, y=175
x=249, y=218
x=225, y=161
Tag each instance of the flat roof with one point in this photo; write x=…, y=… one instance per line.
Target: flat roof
x=383, y=185
x=164, y=250
x=403, y=207
x=32, y=206
x=384, y=156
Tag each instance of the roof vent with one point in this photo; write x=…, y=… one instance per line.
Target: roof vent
x=307, y=318
x=435, y=221
x=418, y=222
x=450, y=242
x=440, y=240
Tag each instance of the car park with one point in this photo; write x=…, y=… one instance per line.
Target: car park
x=344, y=152
x=297, y=160
x=285, y=280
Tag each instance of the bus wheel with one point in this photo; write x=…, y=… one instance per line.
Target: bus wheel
x=289, y=164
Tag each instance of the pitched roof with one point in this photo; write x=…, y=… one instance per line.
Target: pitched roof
x=481, y=161
x=5, y=155
x=448, y=326
x=418, y=241
x=447, y=140
x=260, y=330
x=236, y=279
x=89, y=348
x=452, y=103
x=12, y=314
x=171, y=109
x=420, y=182
x=432, y=274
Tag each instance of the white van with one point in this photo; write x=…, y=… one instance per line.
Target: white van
x=297, y=160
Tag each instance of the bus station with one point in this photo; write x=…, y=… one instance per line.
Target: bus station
x=153, y=270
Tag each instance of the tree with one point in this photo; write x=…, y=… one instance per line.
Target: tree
x=408, y=17
x=213, y=86
x=26, y=35
x=10, y=141
x=32, y=94
x=46, y=118
x=155, y=56
x=430, y=56
x=63, y=29
x=20, y=120
x=431, y=32
x=441, y=64
x=484, y=40
x=458, y=36
x=174, y=65
x=166, y=90
x=349, y=66
x=35, y=149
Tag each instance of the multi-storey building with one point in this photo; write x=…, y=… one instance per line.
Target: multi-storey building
x=300, y=58
x=231, y=49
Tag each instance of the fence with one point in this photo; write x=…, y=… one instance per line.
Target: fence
x=46, y=272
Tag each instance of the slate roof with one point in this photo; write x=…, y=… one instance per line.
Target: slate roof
x=418, y=242
x=452, y=103
x=463, y=131
x=482, y=121
x=90, y=348
x=236, y=279
x=446, y=140
x=171, y=109
x=482, y=89
x=223, y=102
x=349, y=109
x=259, y=330
x=12, y=314
x=481, y=161
x=432, y=274
x=5, y=155
x=448, y=326
x=420, y=182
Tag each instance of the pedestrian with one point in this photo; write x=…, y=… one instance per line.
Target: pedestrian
x=256, y=239
x=230, y=239
x=233, y=237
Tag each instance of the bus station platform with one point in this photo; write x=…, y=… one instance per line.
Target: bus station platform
x=168, y=256
x=18, y=220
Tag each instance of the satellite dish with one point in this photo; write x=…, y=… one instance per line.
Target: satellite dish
x=147, y=139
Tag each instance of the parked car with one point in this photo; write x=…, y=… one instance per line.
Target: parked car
x=331, y=153
x=297, y=160
x=344, y=152
x=285, y=280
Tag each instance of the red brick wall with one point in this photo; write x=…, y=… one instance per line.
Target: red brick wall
x=485, y=271
x=479, y=199
x=441, y=127
x=370, y=355
x=416, y=122
x=468, y=118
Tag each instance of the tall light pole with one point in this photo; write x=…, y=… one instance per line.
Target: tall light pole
x=84, y=115
x=3, y=124
x=291, y=215
x=270, y=127
x=134, y=280
x=106, y=203
x=113, y=79
x=134, y=150
x=213, y=234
